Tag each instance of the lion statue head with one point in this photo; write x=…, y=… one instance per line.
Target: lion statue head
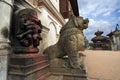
x=76, y=22
x=80, y=22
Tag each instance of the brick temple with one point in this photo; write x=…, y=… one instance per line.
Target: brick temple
x=101, y=42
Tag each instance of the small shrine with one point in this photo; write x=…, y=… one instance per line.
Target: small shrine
x=115, y=38
x=101, y=42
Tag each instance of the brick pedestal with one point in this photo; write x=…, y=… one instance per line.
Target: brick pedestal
x=32, y=66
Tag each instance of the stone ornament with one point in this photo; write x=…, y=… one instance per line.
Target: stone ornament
x=70, y=43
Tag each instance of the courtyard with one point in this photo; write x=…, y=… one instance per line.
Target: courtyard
x=103, y=65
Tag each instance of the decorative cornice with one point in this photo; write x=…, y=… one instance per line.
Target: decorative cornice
x=52, y=10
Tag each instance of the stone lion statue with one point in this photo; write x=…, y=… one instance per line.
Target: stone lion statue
x=70, y=42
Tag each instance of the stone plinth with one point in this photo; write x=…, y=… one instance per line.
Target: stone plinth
x=69, y=74
x=28, y=67
x=60, y=67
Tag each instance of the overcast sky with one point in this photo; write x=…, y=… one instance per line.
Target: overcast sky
x=102, y=14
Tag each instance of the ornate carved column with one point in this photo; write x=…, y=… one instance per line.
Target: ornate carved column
x=5, y=19
x=25, y=61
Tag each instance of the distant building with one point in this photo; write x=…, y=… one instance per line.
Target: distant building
x=101, y=42
x=115, y=38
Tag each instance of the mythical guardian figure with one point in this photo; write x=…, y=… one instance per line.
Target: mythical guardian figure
x=70, y=43
x=25, y=31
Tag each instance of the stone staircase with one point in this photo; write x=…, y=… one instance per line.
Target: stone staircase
x=28, y=67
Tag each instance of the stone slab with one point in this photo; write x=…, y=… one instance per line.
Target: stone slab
x=69, y=73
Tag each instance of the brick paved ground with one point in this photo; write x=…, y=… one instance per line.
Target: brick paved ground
x=103, y=65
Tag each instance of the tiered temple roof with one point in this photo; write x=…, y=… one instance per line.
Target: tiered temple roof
x=100, y=42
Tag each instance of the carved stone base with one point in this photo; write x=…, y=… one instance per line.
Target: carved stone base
x=69, y=74
x=60, y=67
x=28, y=67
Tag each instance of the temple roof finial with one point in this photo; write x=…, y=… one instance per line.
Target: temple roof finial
x=116, y=29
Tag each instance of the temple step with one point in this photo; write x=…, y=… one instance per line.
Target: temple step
x=65, y=77
x=28, y=67
x=69, y=73
x=54, y=77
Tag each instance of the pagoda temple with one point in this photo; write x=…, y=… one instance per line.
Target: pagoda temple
x=100, y=42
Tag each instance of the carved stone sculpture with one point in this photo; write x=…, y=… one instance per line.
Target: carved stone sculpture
x=26, y=31
x=70, y=43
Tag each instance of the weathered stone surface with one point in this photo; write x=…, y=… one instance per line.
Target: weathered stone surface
x=71, y=41
x=60, y=67
x=65, y=56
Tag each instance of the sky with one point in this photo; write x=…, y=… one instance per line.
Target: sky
x=103, y=15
